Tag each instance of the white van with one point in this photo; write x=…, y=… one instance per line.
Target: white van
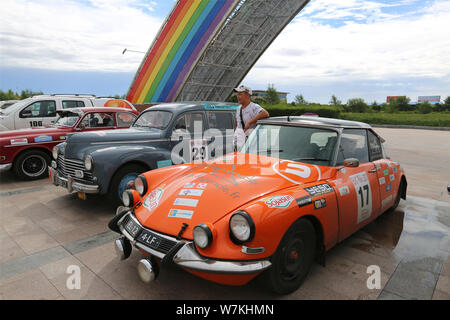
x=38, y=111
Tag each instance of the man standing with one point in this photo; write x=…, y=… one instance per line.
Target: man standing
x=247, y=115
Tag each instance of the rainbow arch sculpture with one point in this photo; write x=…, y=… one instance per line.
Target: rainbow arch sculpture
x=186, y=60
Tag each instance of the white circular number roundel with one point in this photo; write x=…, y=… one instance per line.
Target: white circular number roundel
x=297, y=173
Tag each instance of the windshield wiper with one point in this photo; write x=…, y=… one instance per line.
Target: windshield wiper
x=316, y=159
x=269, y=151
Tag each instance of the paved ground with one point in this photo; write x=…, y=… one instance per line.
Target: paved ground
x=44, y=231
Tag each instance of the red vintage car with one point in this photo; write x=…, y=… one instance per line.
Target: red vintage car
x=29, y=151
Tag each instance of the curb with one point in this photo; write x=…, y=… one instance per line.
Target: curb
x=409, y=127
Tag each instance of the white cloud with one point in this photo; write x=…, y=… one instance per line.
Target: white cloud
x=69, y=35
x=406, y=46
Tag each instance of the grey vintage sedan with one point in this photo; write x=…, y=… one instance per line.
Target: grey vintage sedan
x=108, y=162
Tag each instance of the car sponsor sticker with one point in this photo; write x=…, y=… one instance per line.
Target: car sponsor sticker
x=180, y=213
x=62, y=137
x=43, y=139
x=392, y=177
x=394, y=169
x=153, y=198
x=295, y=172
x=382, y=180
x=388, y=187
x=344, y=190
x=18, y=141
x=363, y=195
x=279, y=201
x=303, y=201
x=185, y=202
x=191, y=192
x=319, y=190
x=321, y=203
x=386, y=172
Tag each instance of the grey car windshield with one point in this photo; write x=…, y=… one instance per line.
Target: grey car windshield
x=302, y=144
x=153, y=119
x=67, y=119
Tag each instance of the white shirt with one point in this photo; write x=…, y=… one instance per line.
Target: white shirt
x=248, y=113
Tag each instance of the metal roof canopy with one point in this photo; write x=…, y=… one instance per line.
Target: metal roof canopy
x=229, y=56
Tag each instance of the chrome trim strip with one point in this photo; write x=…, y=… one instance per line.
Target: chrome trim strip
x=125, y=142
x=5, y=167
x=33, y=143
x=188, y=258
x=73, y=186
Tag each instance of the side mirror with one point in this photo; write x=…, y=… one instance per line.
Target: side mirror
x=26, y=114
x=351, y=162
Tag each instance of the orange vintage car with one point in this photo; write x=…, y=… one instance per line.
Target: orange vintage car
x=297, y=187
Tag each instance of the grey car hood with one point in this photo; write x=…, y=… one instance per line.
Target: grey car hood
x=115, y=136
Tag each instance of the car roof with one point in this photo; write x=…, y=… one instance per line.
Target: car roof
x=194, y=106
x=94, y=109
x=317, y=121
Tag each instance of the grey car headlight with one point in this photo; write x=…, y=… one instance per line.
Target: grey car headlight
x=242, y=227
x=202, y=236
x=55, y=152
x=88, y=163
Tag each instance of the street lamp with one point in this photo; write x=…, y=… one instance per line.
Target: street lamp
x=125, y=50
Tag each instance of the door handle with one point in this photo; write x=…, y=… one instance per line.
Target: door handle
x=373, y=170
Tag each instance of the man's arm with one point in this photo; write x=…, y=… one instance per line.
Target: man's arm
x=261, y=115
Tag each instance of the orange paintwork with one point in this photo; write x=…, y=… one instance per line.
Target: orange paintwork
x=267, y=189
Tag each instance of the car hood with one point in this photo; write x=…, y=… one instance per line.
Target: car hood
x=206, y=192
x=54, y=132
x=114, y=136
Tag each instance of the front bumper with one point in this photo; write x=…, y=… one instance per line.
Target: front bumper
x=5, y=167
x=70, y=184
x=185, y=255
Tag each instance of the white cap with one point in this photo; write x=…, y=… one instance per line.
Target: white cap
x=243, y=89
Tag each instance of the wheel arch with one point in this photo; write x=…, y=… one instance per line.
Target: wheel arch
x=48, y=152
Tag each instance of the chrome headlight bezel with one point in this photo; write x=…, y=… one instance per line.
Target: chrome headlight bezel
x=55, y=152
x=127, y=198
x=202, y=236
x=141, y=185
x=88, y=162
x=243, y=220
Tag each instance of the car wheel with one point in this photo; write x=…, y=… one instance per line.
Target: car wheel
x=293, y=258
x=122, y=180
x=32, y=165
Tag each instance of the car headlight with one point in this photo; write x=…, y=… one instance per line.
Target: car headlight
x=141, y=185
x=55, y=152
x=242, y=227
x=130, y=198
x=202, y=236
x=88, y=163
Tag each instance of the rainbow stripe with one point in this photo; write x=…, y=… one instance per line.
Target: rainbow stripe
x=178, y=47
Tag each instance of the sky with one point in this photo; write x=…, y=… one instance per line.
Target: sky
x=366, y=49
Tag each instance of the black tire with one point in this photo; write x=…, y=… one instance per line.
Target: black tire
x=32, y=165
x=131, y=169
x=293, y=258
x=397, y=199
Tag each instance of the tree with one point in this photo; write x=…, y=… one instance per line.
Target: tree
x=425, y=107
x=357, y=105
x=299, y=100
x=272, y=96
x=403, y=104
x=335, y=101
x=375, y=107
x=446, y=105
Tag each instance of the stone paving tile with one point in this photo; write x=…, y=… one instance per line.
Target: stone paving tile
x=412, y=283
x=439, y=295
x=30, y=286
x=65, y=238
x=443, y=284
x=97, y=259
x=34, y=242
x=55, y=225
x=386, y=295
x=59, y=268
x=18, y=226
x=91, y=287
x=9, y=249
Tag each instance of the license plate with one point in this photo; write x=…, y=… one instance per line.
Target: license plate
x=82, y=195
x=132, y=228
x=150, y=239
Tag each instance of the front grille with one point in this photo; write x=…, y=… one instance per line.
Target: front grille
x=164, y=246
x=67, y=167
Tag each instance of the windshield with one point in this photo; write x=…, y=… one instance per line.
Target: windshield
x=153, y=119
x=310, y=145
x=67, y=119
x=15, y=106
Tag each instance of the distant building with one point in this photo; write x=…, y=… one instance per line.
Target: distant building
x=261, y=94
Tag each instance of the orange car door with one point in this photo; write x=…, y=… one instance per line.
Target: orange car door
x=357, y=187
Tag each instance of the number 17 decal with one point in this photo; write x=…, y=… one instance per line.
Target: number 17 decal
x=363, y=195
